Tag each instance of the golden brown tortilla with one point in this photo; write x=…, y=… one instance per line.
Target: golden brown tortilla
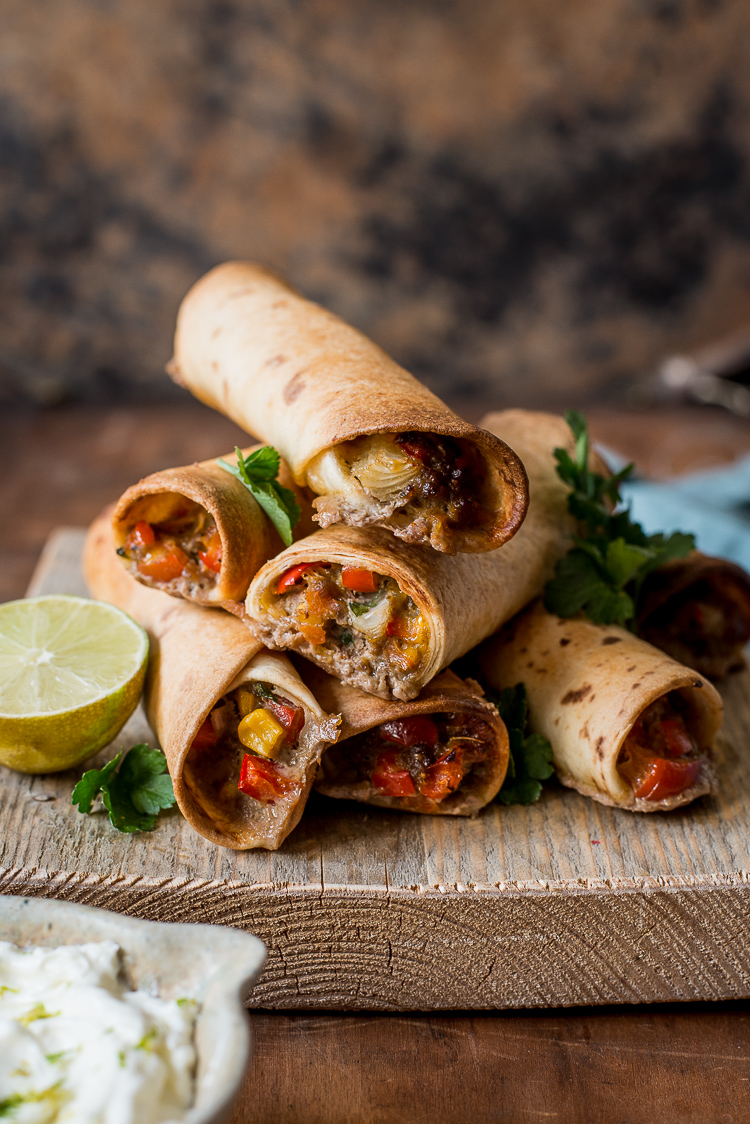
x=302, y=380
x=587, y=685
x=713, y=589
x=248, y=536
x=197, y=656
x=361, y=712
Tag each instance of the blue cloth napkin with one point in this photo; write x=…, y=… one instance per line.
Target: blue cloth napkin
x=714, y=505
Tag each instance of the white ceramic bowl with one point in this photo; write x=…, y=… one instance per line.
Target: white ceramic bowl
x=211, y=963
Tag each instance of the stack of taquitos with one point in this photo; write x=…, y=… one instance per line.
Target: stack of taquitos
x=384, y=618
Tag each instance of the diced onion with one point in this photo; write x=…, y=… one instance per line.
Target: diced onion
x=329, y=474
x=384, y=469
x=374, y=622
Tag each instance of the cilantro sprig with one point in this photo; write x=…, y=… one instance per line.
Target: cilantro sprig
x=530, y=760
x=134, y=794
x=603, y=573
x=258, y=473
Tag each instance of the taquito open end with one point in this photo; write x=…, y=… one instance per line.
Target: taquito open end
x=444, y=754
x=628, y=725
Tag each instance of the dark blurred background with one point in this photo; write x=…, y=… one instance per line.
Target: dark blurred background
x=522, y=201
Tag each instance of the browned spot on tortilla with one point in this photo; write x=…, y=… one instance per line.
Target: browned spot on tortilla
x=576, y=695
x=214, y=365
x=631, y=669
x=635, y=685
x=216, y=332
x=279, y=304
x=564, y=640
x=598, y=748
x=697, y=683
x=275, y=361
x=294, y=388
x=524, y=651
x=530, y=664
x=584, y=731
x=557, y=720
x=612, y=640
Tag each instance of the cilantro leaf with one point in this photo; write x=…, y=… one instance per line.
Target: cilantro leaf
x=258, y=473
x=133, y=795
x=91, y=784
x=530, y=760
x=604, y=571
x=359, y=608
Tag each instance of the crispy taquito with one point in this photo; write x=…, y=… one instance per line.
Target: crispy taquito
x=628, y=725
x=697, y=609
x=196, y=531
x=241, y=732
x=445, y=753
x=376, y=446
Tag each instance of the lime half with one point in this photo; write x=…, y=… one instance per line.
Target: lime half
x=71, y=674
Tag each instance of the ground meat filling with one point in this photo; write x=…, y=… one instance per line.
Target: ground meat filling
x=660, y=758
x=246, y=748
x=180, y=555
x=704, y=626
x=424, y=486
x=424, y=755
x=353, y=622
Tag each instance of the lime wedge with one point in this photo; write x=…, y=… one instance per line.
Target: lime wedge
x=71, y=674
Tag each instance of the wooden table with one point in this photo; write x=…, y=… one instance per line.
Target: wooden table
x=679, y=1062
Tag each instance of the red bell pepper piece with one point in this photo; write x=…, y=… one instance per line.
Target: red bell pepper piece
x=676, y=738
x=359, y=581
x=443, y=777
x=163, y=563
x=206, y=737
x=292, y=576
x=417, y=730
x=389, y=778
x=667, y=778
x=211, y=557
x=291, y=717
x=141, y=535
x=263, y=781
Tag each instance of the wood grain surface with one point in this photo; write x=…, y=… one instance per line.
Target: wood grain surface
x=625, y=1065
x=565, y=902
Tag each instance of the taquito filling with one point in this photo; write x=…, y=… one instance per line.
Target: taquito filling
x=356, y=624
x=180, y=554
x=660, y=757
x=245, y=753
x=429, y=756
x=423, y=486
x=705, y=625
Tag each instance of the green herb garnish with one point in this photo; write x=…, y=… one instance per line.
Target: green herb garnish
x=603, y=573
x=530, y=760
x=261, y=691
x=258, y=473
x=359, y=608
x=346, y=637
x=134, y=794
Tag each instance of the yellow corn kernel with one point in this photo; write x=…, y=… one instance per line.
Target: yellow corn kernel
x=261, y=733
x=246, y=702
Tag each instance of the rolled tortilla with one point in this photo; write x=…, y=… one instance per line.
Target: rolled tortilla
x=319, y=391
x=199, y=656
x=456, y=601
x=190, y=504
x=697, y=609
x=344, y=775
x=587, y=686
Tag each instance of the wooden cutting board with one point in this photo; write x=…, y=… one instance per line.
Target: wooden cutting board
x=566, y=902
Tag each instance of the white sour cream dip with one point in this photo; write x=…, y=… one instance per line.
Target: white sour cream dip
x=78, y=1045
